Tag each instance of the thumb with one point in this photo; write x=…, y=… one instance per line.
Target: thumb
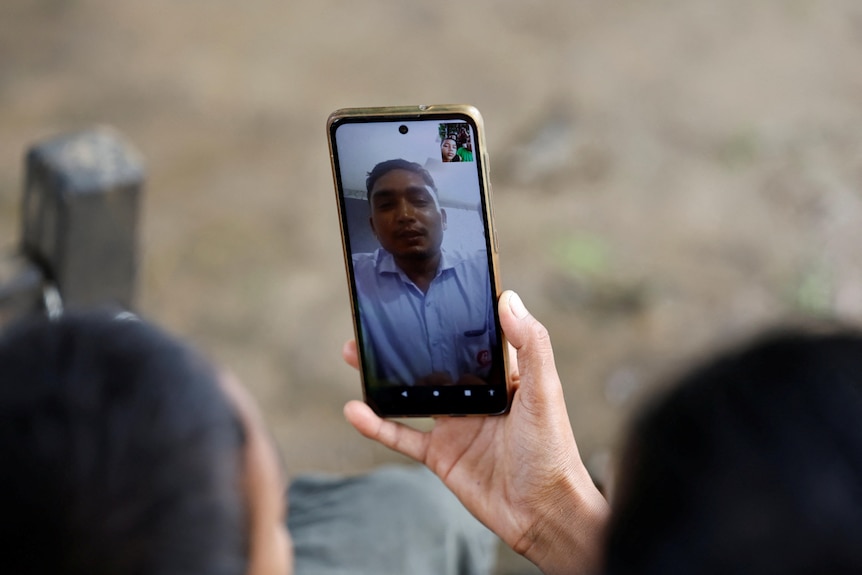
x=538, y=372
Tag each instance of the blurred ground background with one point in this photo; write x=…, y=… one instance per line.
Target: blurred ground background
x=669, y=175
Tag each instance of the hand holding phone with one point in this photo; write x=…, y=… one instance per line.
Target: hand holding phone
x=414, y=206
x=519, y=474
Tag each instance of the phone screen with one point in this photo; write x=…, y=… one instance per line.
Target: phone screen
x=420, y=258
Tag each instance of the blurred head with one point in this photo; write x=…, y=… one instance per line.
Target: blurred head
x=405, y=214
x=448, y=149
x=123, y=452
x=751, y=465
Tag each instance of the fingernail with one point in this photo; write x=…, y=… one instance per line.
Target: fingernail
x=517, y=306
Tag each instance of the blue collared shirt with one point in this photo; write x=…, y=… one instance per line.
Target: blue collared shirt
x=410, y=334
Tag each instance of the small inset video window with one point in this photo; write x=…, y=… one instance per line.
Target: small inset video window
x=456, y=143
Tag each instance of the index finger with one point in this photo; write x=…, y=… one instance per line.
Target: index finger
x=397, y=437
x=514, y=372
x=349, y=353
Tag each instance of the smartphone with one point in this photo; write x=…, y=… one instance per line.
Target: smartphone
x=421, y=257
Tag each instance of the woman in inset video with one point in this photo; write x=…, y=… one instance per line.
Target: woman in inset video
x=449, y=150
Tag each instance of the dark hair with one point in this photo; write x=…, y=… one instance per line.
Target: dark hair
x=118, y=453
x=751, y=465
x=384, y=168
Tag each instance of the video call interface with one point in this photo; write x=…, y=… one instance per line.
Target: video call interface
x=413, y=204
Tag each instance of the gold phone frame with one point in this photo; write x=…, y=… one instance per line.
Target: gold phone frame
x=414, y=113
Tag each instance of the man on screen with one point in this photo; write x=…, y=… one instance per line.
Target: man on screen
x=426, y=313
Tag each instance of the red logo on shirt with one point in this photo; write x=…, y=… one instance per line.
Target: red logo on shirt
x=484, y=358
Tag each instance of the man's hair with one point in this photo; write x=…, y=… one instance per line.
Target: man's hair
x=119, y=453
x=752, y=464
x=384, y=168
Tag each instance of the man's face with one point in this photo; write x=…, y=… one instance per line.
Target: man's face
x=405, y=215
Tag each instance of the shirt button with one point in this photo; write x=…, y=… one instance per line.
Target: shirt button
x=427, y=304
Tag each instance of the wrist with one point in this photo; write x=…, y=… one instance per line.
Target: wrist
x=568, y=529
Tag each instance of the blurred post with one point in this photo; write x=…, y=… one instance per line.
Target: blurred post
x=80, y=214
